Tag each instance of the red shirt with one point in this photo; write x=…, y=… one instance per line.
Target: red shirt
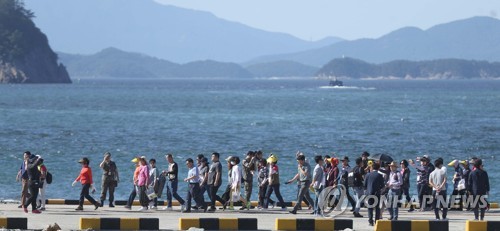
x=85, y=176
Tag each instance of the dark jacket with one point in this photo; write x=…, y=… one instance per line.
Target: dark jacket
x=374, y=182
x=406, y=178
x=479, y=182
x=33, y=173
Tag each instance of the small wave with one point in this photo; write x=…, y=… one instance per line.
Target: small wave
x=348, y=87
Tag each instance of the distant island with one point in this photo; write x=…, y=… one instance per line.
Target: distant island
x=434, y=69
x=25, y=54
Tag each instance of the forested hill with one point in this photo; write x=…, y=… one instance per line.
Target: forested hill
x=25, y=54
x=434, y=69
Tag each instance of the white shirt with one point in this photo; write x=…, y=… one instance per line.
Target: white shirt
x=235, y=176
x=194, y=172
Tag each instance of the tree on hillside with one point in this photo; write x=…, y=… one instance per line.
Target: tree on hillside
x=17, y=35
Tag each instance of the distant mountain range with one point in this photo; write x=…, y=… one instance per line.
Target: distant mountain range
x=115, y=63
x=474, y=38
x=435, y=69
x=167, y=32
x=112, y=62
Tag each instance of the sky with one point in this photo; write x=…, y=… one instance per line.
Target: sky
x=348, y=19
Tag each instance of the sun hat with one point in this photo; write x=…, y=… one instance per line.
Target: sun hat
x=135, y=160
x=272, y=159
x=453, y=163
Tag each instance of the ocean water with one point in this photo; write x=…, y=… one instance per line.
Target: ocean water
x=449, y=119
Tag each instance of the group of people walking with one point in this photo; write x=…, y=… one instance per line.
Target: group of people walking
x=374, y=184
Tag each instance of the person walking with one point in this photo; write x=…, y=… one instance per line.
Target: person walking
x=153, y=183
x=43, y=184
x=249, y=167
x=193, y=178
x=344, y=173
x=318, y=183
x=374, y=183
x=405, y=187
x=274, y=182
x=423, y=172
x=458, y=186
x=466, y=174
x=22, y=175
x=110, y=179
x=85, y=178
x=394, y=185
x=203, y=169
x=304, y=177
x=214, y=181
x=172, y=183
x=437, y=180
x=236, y=179
x=226, y=196
x=479, y=188
x=358, y=173
x=142, y=183
x=263, y=183
x=135, y=188
x=33, y=184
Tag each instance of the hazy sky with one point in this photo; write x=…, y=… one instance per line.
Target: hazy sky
x=349, y=19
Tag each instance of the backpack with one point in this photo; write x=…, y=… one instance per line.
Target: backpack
x=48, y=178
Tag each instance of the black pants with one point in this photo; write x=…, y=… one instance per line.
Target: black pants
x=227, y=193
x=373, y=204
x=437, y=203
x=406, y=192
x=85, y=194
x=458, y=197
x=33, y=187
x=480, y=206
x=143, y=196
x=212, y=193
x=194, y=193
x=276, y=189
x=423, y=189
x=132, y=196
x=262, y=195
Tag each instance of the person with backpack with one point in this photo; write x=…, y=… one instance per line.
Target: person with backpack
x=274, y=182
x=344, y=173
x=33, y=184
x=394, y=184
x=43, y=184
x=357, y=185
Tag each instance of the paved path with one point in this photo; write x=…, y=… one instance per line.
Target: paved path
x=68, y=218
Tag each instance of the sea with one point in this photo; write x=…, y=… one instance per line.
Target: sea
x=452, y=119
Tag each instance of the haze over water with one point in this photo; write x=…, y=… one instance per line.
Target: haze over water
x=449, y=119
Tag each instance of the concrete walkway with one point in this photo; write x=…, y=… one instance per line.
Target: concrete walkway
x=68, y=218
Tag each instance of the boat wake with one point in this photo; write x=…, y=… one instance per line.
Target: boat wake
x=348, y=88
